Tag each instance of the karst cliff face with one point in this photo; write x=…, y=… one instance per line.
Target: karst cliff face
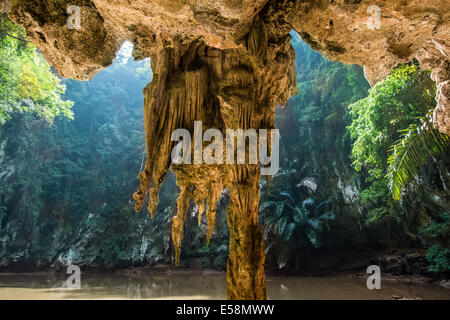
x=229, y=64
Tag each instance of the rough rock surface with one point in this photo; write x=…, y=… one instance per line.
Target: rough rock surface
x=229, y=64
x=344, y=30
x=339, y=29
x=5, y=6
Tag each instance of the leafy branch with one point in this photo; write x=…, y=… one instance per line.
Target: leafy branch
x=419, y=143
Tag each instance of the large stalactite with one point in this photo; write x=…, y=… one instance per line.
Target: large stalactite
x=229, y=64
x=224, y=89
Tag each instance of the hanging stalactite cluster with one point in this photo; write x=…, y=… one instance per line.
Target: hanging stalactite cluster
x=225, y=89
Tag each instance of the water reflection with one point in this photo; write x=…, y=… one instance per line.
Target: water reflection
x=203, y=286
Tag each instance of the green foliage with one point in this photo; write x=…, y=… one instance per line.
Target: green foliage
x=437, y=233
x=438, y=229
x=291, y=218
x=419, y=143
x=439, y=258
x=392, y=105
x=69, y=185
x=27, y=83
x=314, y=142
x=314, y=122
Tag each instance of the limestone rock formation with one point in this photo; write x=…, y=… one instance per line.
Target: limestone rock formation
x=344, y=30
x=5, y=6
x=381, y=34
x=229, y=64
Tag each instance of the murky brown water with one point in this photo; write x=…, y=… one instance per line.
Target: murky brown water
x=204, y=286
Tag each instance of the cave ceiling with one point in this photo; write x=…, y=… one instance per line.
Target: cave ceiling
x=338, y=29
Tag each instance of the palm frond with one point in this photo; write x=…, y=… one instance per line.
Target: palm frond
x=316, y=224
x=281, y=226
x=323, y=203
x=300, y=217
x=267, y=229
x=418, y=144
x=268, y=247
x=314, y=238
x=280, y=207
x=288, y=195
x=308, y=203
x=288, y=231
x=266, y=205
x=327, y=216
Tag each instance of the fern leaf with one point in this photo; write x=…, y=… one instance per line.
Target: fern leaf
x=419, y=143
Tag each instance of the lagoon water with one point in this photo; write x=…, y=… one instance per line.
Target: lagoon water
x=197, y=285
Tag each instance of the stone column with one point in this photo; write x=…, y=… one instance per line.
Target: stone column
x=245, y=267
